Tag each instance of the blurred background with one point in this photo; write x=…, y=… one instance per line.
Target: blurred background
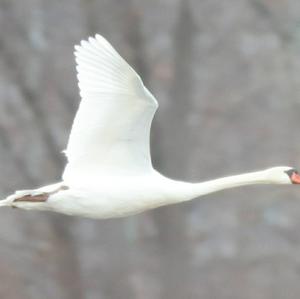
x=227, y=77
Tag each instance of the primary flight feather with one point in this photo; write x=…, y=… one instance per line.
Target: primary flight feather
x=109, y=171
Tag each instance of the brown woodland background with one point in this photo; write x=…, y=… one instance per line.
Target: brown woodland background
x=227, y=77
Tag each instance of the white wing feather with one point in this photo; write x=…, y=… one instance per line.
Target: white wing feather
x=111, y=130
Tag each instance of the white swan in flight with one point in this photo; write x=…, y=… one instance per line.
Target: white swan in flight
x=109, y=171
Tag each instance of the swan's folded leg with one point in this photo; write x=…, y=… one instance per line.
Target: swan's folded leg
x=39, y=195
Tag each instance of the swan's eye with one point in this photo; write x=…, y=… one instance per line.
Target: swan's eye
x=290, y=172
x=294, y=176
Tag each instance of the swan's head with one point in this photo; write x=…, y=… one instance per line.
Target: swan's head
x=283, y=175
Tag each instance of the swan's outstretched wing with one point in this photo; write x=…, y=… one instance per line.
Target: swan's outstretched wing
x=110, y=133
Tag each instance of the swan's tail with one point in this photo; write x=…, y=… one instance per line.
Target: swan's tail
x=19, y=198
x=7, y=202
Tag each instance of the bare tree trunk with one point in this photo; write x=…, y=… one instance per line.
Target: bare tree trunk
x=174, y=244
x=68, y=270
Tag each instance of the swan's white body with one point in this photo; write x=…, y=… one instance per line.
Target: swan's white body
x=109, y=171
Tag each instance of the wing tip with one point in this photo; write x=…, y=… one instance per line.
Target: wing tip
x=88, y=42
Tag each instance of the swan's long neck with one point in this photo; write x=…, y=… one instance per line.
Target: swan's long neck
x=191, y=190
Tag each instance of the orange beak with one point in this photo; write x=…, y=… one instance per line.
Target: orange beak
x=295, y=178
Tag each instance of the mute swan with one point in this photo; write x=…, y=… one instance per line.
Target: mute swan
x=109, y=171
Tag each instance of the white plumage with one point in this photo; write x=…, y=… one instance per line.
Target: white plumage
x=109, y=171
x=110, y=134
